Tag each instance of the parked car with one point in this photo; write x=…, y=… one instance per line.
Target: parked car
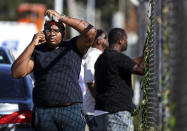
x=6, y=56
x=15, y=101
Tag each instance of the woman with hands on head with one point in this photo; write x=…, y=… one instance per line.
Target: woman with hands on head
x=56, y=64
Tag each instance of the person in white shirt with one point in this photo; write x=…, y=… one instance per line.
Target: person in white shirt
x=100, y=43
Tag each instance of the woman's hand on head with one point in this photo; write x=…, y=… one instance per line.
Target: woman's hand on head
x=52, y=13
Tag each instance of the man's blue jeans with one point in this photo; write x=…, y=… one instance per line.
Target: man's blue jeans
x=119, y=121
x=67, y=118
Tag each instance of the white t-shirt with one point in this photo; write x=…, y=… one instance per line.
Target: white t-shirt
x=90, y=59
x=81, y=80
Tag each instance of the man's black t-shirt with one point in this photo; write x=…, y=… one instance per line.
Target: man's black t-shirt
x=113, y=82
x=56, y=73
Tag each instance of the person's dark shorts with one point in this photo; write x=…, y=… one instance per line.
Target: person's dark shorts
x=69, y=118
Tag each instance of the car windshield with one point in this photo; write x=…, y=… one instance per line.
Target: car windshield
x=12, y=88
x=4, y=58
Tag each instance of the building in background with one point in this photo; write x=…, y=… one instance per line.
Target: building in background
x=32, y=13
x=16, y=36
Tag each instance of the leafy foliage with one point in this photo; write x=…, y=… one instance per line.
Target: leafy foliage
x=144, y=105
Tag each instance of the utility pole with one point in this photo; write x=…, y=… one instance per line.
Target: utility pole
x=72, y=9
x=58, y=6
x=90, y=12
x=118, y=19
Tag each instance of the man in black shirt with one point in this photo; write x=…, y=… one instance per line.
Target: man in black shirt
x=113, y=83
x=56, y=66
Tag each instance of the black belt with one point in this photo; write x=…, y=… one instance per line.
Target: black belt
x=61, y=105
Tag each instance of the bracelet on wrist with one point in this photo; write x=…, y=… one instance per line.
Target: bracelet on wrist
x=61, y=20
x=63, y=16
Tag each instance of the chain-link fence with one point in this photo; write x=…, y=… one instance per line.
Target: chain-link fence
x=153, y=92
x=167, y=89
x=152, y=114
